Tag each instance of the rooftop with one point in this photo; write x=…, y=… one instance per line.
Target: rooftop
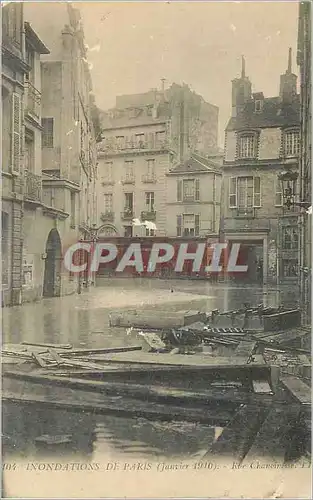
x=195, y=164
x=273, y=114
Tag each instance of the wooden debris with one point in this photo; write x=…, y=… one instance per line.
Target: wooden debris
x=54, y=346
x=47, y=439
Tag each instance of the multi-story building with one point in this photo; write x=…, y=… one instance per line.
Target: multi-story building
x=194, y=197
x=48, y=154
x=14, y=69
x=68, y=159
x=143, y=138
x=262, y=140
x=304, y=62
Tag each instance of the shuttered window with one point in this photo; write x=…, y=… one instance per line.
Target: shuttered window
x=16, y=132
x=233, y=192
x=179, y=190
x=179, y=225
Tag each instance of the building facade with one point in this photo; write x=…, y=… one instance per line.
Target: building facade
x=305, y=222
x=52, y=158
x=194, y=198
x=261, y=141
x=14, y=69
x=142, y=139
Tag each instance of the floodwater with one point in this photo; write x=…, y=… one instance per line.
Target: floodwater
x=82, y=320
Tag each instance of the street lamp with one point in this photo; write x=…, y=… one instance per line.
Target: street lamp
x=288, y=180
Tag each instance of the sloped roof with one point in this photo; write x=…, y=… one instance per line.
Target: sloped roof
x=194, y=164
x=274, y=114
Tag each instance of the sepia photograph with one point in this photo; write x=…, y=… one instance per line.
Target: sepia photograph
x=156, y=225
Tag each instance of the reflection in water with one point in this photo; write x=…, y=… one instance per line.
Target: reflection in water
x=82, y=320
x=98, y=438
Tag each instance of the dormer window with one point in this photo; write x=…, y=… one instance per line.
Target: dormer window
x=291, y=143
x=247, y=146
x=258, y=106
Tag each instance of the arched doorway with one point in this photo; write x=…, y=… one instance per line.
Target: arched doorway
x=52, y=275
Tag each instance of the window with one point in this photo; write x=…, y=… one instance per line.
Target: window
x=278, y=193
x=258, y=106
x=188, y=225
x=292, y=143
x=108, y=203
x=244, y=192
x=188, y=190
x=120, y=141
x=47, y=133
x=290, y=238
x=247, y=147
x=73, y=209
x=5, y=247
x=233, y=192
x=290, y=268
x=128, y=231
x=129, y=202
x=108, y=172
x=30, y=58
x=150, y=169
x=160, y=138
x=29, y=150
x=129, y=170
x=150, y=202
x=140, y=140
x=150, y=232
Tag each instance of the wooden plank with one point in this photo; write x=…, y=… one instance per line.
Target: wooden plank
x=143, y=320
x=273, y=439
x=154, y=392
x=54, y=346
x=101, y=350
x=111, y=405
x=182, y=360
x=236, y=439
x=300, y=391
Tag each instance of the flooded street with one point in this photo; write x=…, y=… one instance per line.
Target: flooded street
x=82, y=320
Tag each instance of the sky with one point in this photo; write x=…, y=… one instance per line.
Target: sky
x=135, y=44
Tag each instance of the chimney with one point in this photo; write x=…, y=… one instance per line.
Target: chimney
x=288, y=83
x=241, y=90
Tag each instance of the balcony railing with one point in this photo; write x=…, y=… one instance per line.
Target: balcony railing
x=128, y=180
x=110, y=146
x=33, y=100
x=246, y=212
x=108, y=182
x=148, y=215
x=107, y=217
x=149, y=179
x=33, y=187
x=127, y=214
x=246, y=225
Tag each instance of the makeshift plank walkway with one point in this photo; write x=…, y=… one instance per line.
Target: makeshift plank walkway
x=226, y=396
x=69, y=400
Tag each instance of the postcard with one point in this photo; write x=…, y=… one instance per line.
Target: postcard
x=156, y=249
